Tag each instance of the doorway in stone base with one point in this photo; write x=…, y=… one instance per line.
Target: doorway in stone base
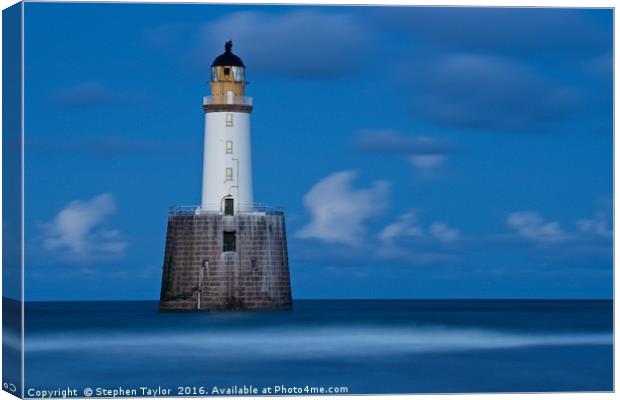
x=229, y=206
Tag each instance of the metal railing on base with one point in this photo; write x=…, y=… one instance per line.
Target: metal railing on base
x=217, y=209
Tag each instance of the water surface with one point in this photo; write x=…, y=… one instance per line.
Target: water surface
x=367, y=346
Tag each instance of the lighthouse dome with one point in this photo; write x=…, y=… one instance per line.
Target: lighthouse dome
x=227, y=58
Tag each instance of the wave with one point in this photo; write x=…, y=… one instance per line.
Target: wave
x=307, y=342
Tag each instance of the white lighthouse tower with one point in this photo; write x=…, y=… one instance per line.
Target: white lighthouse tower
x=227, y=167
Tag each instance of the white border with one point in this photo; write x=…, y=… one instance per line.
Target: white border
x=506, y=3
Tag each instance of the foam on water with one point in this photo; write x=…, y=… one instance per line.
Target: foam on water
x=312, y=342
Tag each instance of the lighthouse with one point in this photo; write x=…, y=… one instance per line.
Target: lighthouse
x=227, y=166
x=228, y=252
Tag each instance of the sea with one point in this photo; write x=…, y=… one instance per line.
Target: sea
x=320, y=346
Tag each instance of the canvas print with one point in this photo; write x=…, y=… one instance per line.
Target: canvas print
x=227, y=199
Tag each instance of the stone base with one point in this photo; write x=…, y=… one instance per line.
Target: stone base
x=199, y=275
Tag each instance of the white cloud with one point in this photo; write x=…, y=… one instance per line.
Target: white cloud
x=594, y=226
x=392, y=142
x=78, y=230
x=339, y=211
x=443, y=232
x=405, y=225
x=426, y=154
x=601, y=223
x=427, y=163
x=425, y=245
x=530, y=225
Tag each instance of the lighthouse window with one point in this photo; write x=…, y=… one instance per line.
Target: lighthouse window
x=229, y=148
x=230, y=241
x=229, y=174
x=229, y=120
x=226, y=71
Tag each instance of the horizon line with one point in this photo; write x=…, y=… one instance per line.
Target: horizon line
x=339, y=299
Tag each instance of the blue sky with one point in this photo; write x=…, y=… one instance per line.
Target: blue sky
x=418, y=152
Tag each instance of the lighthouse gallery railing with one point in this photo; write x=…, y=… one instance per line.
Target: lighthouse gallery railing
x=244, y=100
x=258, y=208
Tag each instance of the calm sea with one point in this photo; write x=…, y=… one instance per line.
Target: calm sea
x=385, y=346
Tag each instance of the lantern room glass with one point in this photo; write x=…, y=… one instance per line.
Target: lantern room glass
x=238, y=74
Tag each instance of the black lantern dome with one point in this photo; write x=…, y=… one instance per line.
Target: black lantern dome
x=227, y=58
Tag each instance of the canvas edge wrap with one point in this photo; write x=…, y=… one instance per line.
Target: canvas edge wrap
x=12, y=189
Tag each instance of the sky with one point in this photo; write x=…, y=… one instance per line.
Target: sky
x=417, y=152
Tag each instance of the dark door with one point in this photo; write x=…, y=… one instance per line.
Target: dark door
x=229, y=207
